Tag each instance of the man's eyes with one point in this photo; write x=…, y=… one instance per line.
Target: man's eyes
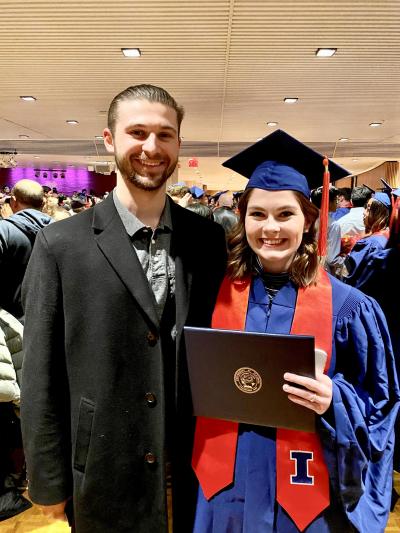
x=142, y=134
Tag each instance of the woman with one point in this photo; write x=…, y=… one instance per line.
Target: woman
x=376, y=220
x=345, y=484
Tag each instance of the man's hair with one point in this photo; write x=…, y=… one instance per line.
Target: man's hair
x=225, y=200
x=29, y=192
x=151, y=93
x=316, y=195
x=345, y=192
x=360, y=196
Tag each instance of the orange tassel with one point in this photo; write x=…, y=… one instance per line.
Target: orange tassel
x=324, y=212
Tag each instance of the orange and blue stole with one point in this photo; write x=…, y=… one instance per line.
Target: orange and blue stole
x=301, y=474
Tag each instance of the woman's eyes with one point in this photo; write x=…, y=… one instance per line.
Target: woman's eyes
x=256, y=214
x=282, y=214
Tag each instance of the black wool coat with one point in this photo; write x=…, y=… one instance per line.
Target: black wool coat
x=93, y=391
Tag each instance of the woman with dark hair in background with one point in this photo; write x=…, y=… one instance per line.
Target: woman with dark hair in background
x=376, y=221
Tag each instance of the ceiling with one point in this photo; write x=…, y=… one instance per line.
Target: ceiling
x=229, y=62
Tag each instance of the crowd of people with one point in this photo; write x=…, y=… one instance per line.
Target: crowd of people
x=100, y=288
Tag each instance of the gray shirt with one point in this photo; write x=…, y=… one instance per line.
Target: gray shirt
x=153, y=251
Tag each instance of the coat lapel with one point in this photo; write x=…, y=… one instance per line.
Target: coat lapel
x=180, y=250
x=113, y=241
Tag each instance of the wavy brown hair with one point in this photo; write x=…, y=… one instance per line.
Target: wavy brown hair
x=304, y=268
x=377, y=218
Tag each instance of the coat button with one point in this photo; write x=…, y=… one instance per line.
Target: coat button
x=150, y=458
x=152, y=338
x=150, y=399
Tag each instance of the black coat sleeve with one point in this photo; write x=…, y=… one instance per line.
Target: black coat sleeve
x=45, y=396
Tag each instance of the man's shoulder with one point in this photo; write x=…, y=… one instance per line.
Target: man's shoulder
x=69, y=227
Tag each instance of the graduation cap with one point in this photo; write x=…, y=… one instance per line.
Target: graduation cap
x=196, y=192
x=383, y=198
x=371, y=190
x=396, y=192
x=386, y=187
x=218, y=194
x=281, y=162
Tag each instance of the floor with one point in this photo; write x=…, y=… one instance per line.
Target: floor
x=33, y=521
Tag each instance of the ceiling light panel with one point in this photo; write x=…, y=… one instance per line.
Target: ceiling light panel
x=325, y=52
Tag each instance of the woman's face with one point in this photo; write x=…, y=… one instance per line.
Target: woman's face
x=367, y=209
x=274, y=224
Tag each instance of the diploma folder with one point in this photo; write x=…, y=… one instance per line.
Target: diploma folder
x=238, y=375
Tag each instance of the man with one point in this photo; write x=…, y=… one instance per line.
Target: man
x=108, y=408
x=343, y=203
x=225, y=200
x=353, y=222
x=352, y=225
x=17, y=236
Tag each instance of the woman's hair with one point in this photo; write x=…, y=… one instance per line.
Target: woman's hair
x=304, y=268
x=377, y=218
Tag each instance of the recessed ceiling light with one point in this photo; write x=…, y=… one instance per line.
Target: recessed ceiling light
x=72, y=122
x=355, y=159
x=36, y=157
x=375, y=124
x=24, y=136
x=343, y=139
x=290, y=100
x=272, y=124
x=131, y=52
x=28, y=98
x=98, y=137
x=259, y=139
x=325, y=52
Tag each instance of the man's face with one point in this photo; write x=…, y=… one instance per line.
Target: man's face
x=145, y=143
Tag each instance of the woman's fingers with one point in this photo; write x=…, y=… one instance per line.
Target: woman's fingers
x=316, y=394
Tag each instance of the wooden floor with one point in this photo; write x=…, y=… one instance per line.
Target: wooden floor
x=33, y=521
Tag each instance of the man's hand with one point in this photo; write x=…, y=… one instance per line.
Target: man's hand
x=55, y=512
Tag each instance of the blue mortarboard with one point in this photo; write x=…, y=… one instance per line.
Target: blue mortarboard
x=197, y=192
x=383, y=198
x=281, y=162
x=396, y=192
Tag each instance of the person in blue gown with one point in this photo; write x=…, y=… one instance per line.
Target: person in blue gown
x=380, y=279
x=376, y=220
x=356, y=402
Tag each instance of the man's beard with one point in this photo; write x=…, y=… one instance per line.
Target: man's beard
x=143, y=182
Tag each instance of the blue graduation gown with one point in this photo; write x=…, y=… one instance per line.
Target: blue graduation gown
x=356, y=432
x=380, y=279
x=340, y=212
x=360, y=254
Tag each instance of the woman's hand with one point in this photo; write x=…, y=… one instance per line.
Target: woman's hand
x=317, y=394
